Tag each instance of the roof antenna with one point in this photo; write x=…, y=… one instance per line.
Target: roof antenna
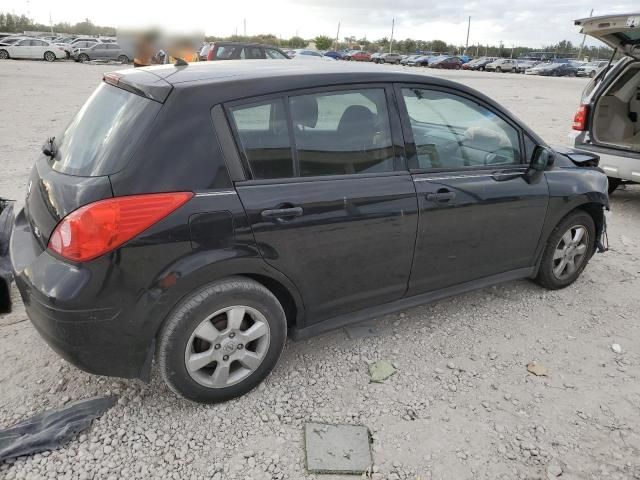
x=180, y=62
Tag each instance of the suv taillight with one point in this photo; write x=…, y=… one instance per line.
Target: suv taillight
x=100, y=227
x=580, y=118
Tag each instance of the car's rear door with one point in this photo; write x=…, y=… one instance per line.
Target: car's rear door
x=478, y=215
x=621, y=31
x=329, y=199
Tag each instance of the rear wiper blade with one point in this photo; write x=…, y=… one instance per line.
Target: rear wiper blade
x=49, y=147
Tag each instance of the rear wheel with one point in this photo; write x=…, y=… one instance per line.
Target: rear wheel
x=4, y=55
x=123, y=59
x=614, y=183
x=498, y=69
x=83, y=57
x=592, y=73
x=222, y=341
x=568, y=250
x=49, y=56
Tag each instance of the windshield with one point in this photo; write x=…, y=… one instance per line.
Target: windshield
x=103, y=135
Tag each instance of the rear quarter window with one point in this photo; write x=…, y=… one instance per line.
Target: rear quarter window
x=105, y=132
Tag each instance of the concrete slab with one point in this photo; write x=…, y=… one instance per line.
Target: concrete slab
x=362, y=331
x=337, y=448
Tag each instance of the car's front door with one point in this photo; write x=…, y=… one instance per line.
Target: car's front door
x=478, y=215
x=330, y=202
x=100, y=51
x=23, y=49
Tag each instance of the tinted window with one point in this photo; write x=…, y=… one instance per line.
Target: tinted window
x=104, y=133
x=226, y=53
x=264, y=135
x=23, y=43
x=252, y=53
x=38, y=43
x=342, y=132
x=454, y=132
x=275, y=54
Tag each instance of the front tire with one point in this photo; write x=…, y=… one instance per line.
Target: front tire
x=4, y=55
x=222, y=341
x=498, y=70
x=123, y=59
x=83, y=57
x=49, y=56
x=568, y=250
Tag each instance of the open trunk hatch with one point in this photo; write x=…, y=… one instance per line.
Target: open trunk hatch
x=620, y=31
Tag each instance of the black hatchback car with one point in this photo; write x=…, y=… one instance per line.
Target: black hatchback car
x=197, y=214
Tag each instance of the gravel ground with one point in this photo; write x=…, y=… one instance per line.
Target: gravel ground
x=461, y=405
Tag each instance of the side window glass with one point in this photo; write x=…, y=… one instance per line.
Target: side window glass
x=264, y=135
x=451, y=131
x=252, y=53
x=275, y=54
x=342, y=132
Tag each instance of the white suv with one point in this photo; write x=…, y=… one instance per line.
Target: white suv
x=608, y=119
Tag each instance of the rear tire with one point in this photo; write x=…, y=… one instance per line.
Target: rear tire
x=592, y=73
x=4, y=55
x=83, y=57
x=49, y=56
x=568, y=251
x=192, y=330
x=498, y=70
x=614, y=183
x=123, y=59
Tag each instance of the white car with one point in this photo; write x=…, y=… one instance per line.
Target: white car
x=33, y=48
x=307, y=54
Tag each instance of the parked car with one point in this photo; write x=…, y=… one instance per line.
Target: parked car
x=73, y=43
x=6, y=276
x=608, y=120
x=10, y=40
x=361, y=56
x=375, y=57
x=524, y=65
x=333, y=54
x=239, y=51
x=409, y=60
x=421, y=61
x=82, y=45
x=267, y=229
x=100, y=51
x=32, y=48
x=558, y=70
x=390, y=58
x=590, y=69
x=449, y=63
x=308, y=54
x=481, y=63
x=502, y=65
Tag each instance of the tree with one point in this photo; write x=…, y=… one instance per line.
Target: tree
x=438, y=46
x=297, y=42
x=323, y=42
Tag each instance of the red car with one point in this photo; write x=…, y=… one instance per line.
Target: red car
x=449, y=63
x=360, y=56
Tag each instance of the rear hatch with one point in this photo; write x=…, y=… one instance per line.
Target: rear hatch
x=74, y=167
x=621, y=31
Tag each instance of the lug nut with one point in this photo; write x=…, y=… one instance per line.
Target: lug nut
x=217, y=346
x=240, y=347
x=231, y=335
x=225, y=358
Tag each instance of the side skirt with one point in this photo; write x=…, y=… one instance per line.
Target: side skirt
x=409, y=302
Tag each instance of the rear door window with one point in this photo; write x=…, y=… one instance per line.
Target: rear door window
x=105, y=132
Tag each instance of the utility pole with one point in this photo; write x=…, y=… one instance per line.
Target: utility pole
x=466, y=46
x=245, y=27
x=51, y=23
x=393, y=22
x=584, y=37
x=337, y=36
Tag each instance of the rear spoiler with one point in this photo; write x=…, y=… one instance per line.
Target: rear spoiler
x=140, y=82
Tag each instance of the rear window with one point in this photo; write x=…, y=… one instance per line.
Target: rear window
x=103, y=135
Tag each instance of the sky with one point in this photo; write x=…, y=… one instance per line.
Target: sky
x=514, y=22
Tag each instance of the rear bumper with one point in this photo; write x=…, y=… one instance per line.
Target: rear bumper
x=624, y=166
x=103, y=340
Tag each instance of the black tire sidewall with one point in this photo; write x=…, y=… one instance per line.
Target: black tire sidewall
x=546, y=276
x=47, y=53
x=178, y=329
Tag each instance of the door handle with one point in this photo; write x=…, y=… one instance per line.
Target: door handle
x=441, y=196
x=282, y=212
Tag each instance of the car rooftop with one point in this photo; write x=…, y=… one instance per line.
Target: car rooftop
x=242, y=70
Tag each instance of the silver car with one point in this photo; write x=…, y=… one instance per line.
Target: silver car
x=100, y=51
x=608, y=119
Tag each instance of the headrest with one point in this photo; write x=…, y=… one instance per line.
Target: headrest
x=356, y=116
x=304, y=110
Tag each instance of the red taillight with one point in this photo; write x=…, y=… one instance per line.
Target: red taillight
x=100, y=227
x=212, y=53
x=580, y=118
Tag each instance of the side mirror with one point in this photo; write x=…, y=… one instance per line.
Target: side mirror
x=543, y=158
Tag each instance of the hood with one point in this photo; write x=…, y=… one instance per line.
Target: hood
x=620, y=31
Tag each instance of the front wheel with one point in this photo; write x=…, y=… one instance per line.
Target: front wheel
x=83, y=57
x=568, y=250
x=498, y=69
x=592, y=73
x=49, y=56
x=4, y=55
x=123, y=59
x=222, y=341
